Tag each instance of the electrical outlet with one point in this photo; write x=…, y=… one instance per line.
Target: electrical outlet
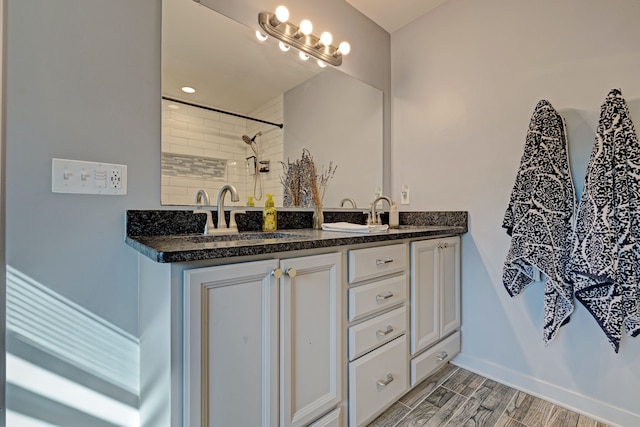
x=404, y=195
x=115, y=179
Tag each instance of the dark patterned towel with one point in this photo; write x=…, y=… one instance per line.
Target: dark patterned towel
x=539, y=218
x=605, y=259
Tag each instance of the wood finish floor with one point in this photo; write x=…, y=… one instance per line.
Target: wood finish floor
x=455, y=397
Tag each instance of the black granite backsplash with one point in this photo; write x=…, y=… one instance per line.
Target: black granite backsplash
x=175, y=222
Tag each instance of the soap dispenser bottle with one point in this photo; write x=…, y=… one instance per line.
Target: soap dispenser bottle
x=269, y=215
x=394, y=217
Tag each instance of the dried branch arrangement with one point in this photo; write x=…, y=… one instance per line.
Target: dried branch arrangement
x=303, y=185
x=292, y=183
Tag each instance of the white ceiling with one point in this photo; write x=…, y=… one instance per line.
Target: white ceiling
x=394, y=14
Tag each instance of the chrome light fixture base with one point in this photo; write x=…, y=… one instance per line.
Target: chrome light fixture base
x=287, y=33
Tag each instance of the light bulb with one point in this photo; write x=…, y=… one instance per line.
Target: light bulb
x=326, y=38
x=261, y=36
x=187, y=89
x=283, y=47
x=303, y=56
x=321, y=64
x=306, y=27
x=282, y=13
x=344, y=48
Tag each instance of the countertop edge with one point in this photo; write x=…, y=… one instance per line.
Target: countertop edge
x=158, y=250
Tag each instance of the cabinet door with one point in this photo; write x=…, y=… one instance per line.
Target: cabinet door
x=425, y=294
x=449, y=262
x=230, y=345
x=310, y=338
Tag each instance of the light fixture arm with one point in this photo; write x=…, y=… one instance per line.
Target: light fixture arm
x=286, y=32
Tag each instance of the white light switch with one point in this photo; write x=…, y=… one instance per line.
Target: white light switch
x=74, y=176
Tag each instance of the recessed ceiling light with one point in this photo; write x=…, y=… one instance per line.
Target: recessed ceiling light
x=188, y=89
x=173, y=107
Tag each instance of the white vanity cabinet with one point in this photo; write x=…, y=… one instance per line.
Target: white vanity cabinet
x=328, y=337
x=377, y=312
x=435, y=304
x=262, y=343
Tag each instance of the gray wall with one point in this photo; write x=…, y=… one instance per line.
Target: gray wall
x=466, y=79
x=83, y=83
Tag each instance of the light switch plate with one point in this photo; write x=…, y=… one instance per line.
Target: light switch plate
x=79, y=177
x=404, y=194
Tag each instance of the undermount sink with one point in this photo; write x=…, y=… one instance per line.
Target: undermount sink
x=231, y=237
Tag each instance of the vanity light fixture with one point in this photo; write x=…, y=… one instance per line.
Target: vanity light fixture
x=283, y=47
x=277, y=26
x=261, y=36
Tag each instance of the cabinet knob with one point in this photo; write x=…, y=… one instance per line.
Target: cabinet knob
x=277, y=273
x=385, y=382
x=384, y=296
x=291, y=272
x=384, y=261
x=443, y=356
x=383, y=332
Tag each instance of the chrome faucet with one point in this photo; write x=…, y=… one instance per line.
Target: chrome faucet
x=234, y=198
x=375, y=216
x=202, y=199
x=350, y=200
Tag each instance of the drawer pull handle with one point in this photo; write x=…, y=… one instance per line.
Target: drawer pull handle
x=291, y=272
x=385, y=382
x=277, y=273
x=443, y=356
x=384, y=296
x=384, y=261
x=383, y=332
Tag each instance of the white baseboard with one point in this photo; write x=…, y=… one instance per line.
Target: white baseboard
x=598, y=410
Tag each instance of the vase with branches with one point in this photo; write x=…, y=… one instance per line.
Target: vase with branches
x=318, y=181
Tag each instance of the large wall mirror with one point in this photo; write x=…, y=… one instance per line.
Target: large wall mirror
x=336, y=117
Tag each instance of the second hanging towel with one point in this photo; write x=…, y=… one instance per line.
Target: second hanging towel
x=605, y=259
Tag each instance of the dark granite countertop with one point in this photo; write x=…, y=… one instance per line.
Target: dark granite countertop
x=195, y=247
x=168, y=236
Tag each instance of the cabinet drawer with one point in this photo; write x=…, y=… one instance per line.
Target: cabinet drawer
x=332, y=419
x=375, y=262
x=431, y=360
x=377, y=331
x=372, y=297
x=376, y=381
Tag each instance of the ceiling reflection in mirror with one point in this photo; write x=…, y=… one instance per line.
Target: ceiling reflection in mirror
x=335, y=116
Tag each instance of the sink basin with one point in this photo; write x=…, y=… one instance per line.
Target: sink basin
x=234, y=237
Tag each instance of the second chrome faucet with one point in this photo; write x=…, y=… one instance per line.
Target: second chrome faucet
x=374, y=216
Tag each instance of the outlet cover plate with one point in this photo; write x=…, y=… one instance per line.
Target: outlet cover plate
x=79, y=177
